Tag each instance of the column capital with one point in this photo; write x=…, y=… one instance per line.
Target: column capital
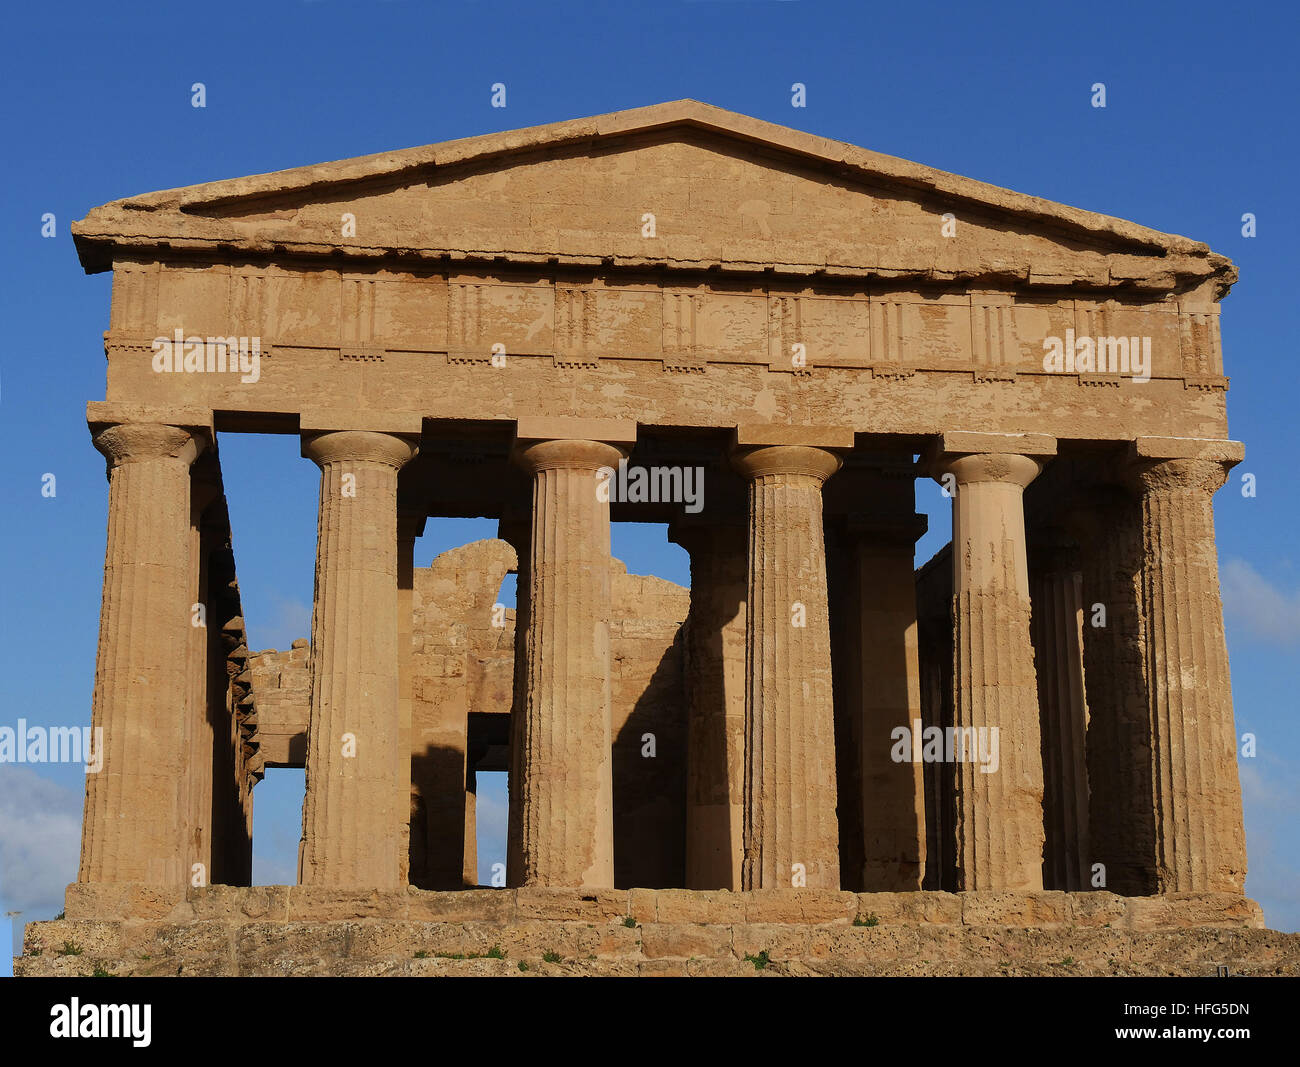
x=1205, y=475
x=132, y=442
x=769, y=460
x=1156, y=463
x=566, y=454
x=989, y=457
x=365, y=446
x=972, y=468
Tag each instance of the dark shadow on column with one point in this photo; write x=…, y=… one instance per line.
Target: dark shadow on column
x=1121, y=810
x=846, y=687
x=935, y=636
x=650, y=792
x=439, y=775
x=715, y=605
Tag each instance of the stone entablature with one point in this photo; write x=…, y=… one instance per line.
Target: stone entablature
x=895, y=331
x=869, y=362
x=864, y=282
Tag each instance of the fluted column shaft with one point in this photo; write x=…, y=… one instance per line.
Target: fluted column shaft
x=137, y=806
x=1058, y=662
x=1199, y=837
x=999, y=812
x=351, y=817
x=565, y=792
x=789, y=791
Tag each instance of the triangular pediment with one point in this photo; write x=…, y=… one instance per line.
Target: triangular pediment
x=675, y=186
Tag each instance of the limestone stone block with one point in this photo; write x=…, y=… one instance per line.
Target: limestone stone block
x=315, y=903
x=781, y=941
x=545, y=902
x=481, y=904
x=700, y=906
x=864, y=942
x=685, y=939
x=799, y=906
x=1014, y=909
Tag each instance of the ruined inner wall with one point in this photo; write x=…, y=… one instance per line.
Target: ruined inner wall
x=463, y=663
x=649, y=731
x=281, y=682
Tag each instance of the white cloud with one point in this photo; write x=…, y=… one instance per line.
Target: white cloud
x=1270, y=797
x=1258, y=607
x=291, y=619
x=40, y=842
x=491, y=808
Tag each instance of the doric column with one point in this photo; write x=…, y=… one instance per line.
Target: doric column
x=715, y=697
x=1199, y=837
x=351, y=821
x=789, y=789
x=1057, y=634
x=565, y=790
x=137, y=805
x=996, y=753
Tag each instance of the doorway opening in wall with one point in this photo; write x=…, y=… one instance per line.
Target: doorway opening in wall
x=491, y=811
x=277, y=825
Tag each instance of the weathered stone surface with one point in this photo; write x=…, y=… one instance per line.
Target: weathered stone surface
x=565, y=812
x=632, y=292
x=543, y=902
x=351, y=822
x=136, y=815
x=1200, y=841
x=999, y=807
x=790, y=834
x=703, y=934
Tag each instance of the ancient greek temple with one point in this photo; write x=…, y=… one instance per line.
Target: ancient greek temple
x=761, y=339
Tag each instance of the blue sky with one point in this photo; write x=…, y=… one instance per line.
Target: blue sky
x=1198, y=129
